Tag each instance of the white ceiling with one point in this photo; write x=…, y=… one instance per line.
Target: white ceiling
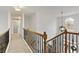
x=55, y=10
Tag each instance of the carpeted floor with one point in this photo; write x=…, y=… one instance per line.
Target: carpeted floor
x=18, y=45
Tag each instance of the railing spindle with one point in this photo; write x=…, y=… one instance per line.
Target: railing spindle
x=60, y=43
x=38, y=45
x=52, y=46
x=72, y=42
x=42, y=45
x=69, y=43
x=57, y=45
x=77, y=42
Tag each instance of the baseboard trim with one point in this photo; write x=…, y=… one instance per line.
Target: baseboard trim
x=28, y=46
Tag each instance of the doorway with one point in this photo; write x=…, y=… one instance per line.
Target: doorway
x=16, y=26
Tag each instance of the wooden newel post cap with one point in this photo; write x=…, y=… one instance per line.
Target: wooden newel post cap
x=45, y=36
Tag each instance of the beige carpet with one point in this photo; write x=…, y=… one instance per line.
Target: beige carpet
x=18, y=45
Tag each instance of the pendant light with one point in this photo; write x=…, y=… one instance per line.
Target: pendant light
x=62, y=28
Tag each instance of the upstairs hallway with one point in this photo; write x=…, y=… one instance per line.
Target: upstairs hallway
x=17, y=45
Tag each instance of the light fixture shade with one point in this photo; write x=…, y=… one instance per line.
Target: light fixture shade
x=69, y=24
x=62, y=28
x=69, y=21
x=18, y=8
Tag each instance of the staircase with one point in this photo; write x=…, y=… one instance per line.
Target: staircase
x=36, y=41
x=65, y=42
x=33, y=42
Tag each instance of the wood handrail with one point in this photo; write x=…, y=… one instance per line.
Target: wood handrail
x=34, y=32
x=65, y=38
x=73, y=33
x=63, y=33
x=56, y=36
x=44, y=36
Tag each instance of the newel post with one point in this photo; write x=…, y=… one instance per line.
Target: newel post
x=65, y=41
x=45, y=38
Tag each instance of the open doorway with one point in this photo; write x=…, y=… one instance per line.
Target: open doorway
x=16, y=24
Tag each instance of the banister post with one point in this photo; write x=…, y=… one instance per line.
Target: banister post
x=45, y=38
x=65, y=40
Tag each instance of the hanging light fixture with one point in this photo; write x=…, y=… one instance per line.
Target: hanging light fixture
x=18, y=8
x=62, y=28
x=69, y=23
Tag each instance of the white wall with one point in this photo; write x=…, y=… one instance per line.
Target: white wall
x=26, y=22
x=46, y=18
x=47, y=23
x=3, y=21
x=43, y=21
x=76, y=21
x=30, y=22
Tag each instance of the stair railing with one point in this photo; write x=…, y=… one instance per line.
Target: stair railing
x=54, y=44
x=36, y=41
x=4, y=39
x=66, y=42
